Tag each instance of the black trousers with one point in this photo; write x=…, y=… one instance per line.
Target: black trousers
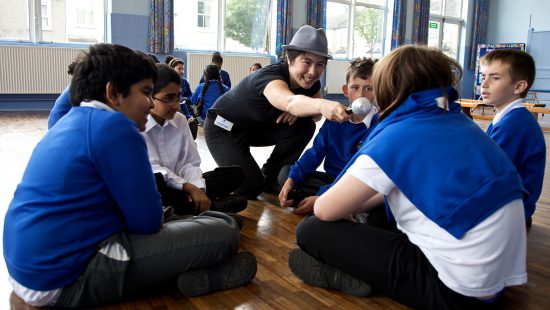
x=233, y=148
x=385, y=259
x=220, y=182
x=311, y=185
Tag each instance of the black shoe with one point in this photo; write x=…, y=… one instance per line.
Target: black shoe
x=237, y=271
x=296, y=195
x=237, y=219
x=233, y=203
x=317, y=273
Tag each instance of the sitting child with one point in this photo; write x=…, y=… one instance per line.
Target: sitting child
x=455, y=196
x=176, y=161
x=185, y=94
x=336, y=143
x=85, y=227
x=507, y=77
x=208, y=92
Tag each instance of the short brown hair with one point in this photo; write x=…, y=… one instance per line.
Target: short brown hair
x=522, y=65
x=409, y=69
x=360, y=67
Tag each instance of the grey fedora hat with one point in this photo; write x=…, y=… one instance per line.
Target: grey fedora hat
x=311, y=40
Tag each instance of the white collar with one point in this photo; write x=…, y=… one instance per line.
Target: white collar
x=367, y=120
x=97, y=105
x=151, y=122
x=514, y=105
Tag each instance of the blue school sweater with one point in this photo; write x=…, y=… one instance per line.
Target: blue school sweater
x=443, y=162
x=210, y=96
x=61, y=107
x=520, y=136
x=336, y=143
x=88, y=178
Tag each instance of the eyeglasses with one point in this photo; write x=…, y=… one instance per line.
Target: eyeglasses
x=172, y=101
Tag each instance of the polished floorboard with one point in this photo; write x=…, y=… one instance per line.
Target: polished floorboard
x=268, y=232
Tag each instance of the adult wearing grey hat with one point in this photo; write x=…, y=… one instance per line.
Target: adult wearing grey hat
x=275, y=106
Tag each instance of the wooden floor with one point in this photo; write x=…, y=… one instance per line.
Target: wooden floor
x=268, y=232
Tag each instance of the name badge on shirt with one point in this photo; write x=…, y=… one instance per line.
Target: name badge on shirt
x=223, y=123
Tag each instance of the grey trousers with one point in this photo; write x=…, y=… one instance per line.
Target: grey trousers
x=147, y=262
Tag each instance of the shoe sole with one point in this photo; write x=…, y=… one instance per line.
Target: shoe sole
x=237, y=271
x=319, y=274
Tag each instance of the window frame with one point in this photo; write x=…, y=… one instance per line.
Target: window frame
x=442, y=20
x=34, y=19
x=352, y=4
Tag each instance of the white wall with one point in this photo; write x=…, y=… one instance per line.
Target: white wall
x=509, y=19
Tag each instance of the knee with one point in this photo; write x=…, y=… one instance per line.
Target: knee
x=308, y=230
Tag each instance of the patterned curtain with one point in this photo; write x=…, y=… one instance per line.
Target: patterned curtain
x=161, y=27
x=284, y=24
x=481, y=16
x=399, y=23
x=421, y=19
x=316, y=13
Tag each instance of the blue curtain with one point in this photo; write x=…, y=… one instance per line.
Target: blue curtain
x=316, y=13
x=421, y=19
x=399, y=23
x=481, y=16
x=284, y=25
x=161, y=27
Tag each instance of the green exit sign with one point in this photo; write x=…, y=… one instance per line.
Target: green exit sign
x=433, y=25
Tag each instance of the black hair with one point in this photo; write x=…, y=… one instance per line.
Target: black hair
x=211, y=72
x=165, y=76
x=293, y=54
x=168, y=58
x=105, y=63
x=174, y=62
x=217, y=58
x=153, y=58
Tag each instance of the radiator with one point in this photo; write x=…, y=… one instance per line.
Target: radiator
x=237, y=66
x=35, y=70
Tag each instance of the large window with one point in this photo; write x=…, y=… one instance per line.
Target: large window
x=59, y=20
x=356, y=28
x=444, y=26
x=224, y=25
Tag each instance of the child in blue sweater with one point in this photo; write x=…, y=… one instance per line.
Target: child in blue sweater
x=207, y=92
x=335, y=143
x=455, y=196
x=507, y=77
x=85, y=226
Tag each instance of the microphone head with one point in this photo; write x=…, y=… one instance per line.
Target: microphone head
x=361, y=105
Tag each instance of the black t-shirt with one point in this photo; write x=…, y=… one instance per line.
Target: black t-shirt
x=246, y=106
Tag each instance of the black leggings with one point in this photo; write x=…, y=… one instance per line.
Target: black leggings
x=385, y=259
x=233, y=148
x=220, y=182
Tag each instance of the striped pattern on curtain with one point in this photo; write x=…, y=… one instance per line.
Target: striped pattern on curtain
x=399, y=23
x=161, y=27
x=284, y=25
x=481, y=16
x=421, y=19
x=316, y=13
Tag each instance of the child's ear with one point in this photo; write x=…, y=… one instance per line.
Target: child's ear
x=345, y=90
x=111, y=95
x=520, y=87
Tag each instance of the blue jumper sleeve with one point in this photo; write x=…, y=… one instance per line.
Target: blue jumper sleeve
x=312, y=158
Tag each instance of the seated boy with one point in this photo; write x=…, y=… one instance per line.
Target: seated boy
x=507, y=77
x=85, y=227
x=176, y=161
x=336, y=143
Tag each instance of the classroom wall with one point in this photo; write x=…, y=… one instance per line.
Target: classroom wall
x=509, y=19
x=128, y=21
